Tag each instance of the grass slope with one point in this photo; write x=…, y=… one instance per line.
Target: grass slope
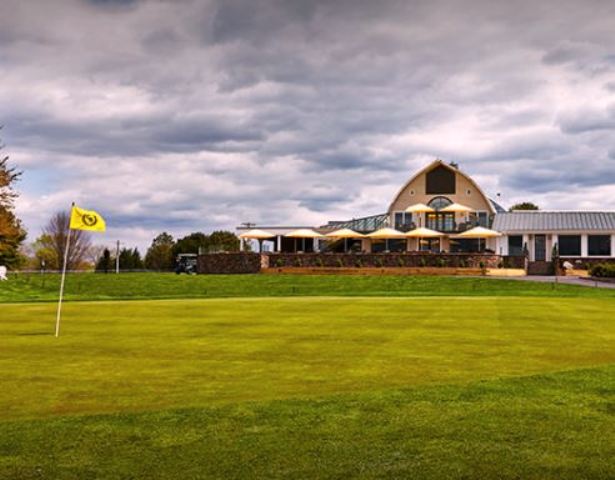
x=310, y=387
x=129, y=356
x=89, y=286
x=558, y=426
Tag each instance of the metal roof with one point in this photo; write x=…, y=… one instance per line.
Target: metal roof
x=364, y=224
x=537, y=221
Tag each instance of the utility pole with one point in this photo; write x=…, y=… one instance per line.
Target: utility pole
x=117, y=257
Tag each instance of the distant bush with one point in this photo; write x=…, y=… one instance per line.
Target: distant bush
x=604, y=270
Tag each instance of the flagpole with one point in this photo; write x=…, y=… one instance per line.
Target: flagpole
x=59, y=313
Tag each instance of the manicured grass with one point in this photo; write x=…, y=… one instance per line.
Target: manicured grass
x=313, y=387
x=558, y=426
x=90, y=286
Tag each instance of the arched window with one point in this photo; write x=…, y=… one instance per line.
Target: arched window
x=439, y=203
x=443, y=222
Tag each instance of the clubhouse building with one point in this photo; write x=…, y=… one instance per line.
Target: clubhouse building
x=442, y=210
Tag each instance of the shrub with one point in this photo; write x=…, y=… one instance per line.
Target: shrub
x=358, y=264
x=298, y=262
x=379, y=262
x=603, y=270
x=319, y=262
x=279, y=262
x=422, y=262
x=462, y=263
x=483, y=267
x=340, y=262
x=401, y=262
x=441, y=262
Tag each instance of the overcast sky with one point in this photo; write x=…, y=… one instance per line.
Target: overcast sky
x=199, y=115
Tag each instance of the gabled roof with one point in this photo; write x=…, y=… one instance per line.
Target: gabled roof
x=538, y=221
x=437, y=163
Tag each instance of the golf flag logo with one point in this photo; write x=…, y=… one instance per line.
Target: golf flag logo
x=86, y=220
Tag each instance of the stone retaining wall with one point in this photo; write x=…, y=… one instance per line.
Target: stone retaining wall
x=379, y=260
x=229, y=263
x=255, y=262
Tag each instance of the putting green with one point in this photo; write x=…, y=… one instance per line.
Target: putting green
x=153, y=355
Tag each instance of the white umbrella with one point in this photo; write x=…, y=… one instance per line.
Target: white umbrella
x=345, y=233
x=479, y=232
x=303, y=233
x=421, y=233
x=256, y=234
x=457, y=207
x=420, y=208
x=386, y=234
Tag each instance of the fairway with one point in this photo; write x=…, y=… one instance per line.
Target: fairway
x=274, y=387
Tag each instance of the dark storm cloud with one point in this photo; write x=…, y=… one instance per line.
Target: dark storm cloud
x=219, y=111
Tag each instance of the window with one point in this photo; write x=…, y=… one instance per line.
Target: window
x=464, y=245
x=442, y=222
x=438, y=203
x=394, y=245
x=569, y=245
x=599, y=245
x=515, y=245
x=403, y=221
x=483, y=219
x=429, y=245
x=440, y=180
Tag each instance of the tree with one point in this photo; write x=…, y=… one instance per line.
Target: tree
x=95, y=252
x=130, y=259
x=223, y=241
x=54, y=237
x=524, y=206
x=45, y=256
x=191, y=243
x=104, y=264
x=12, y=233
x=159, y=255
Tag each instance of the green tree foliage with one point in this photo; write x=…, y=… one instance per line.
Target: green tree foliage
x=524, y=206
x=44, y=255
x=104, y=263
x=12, y=233
x=130, y=259
x=223, y=241
x=159, y=255
x=191, y=243
x=217, y=241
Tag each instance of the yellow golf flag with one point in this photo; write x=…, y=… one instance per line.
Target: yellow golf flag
x=86, y=220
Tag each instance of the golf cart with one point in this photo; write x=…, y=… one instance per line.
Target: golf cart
x=186, y=263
